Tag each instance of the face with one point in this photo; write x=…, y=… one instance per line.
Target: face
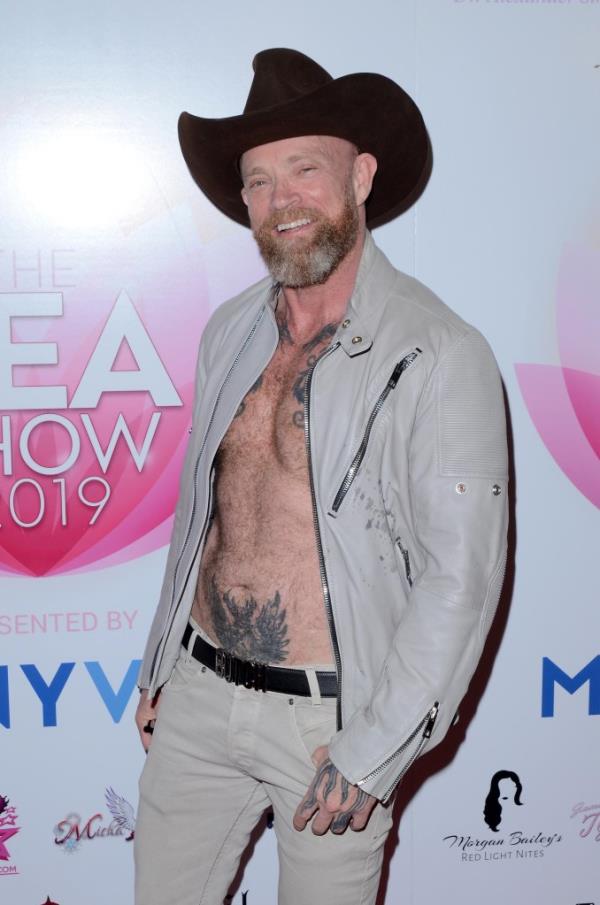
x=304, y=196
x=507, y=790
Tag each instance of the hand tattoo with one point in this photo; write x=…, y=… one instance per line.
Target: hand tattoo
x=326, y=779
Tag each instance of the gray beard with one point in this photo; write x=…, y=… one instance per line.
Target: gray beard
x=313, y=262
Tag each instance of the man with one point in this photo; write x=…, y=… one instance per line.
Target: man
x=339, y=542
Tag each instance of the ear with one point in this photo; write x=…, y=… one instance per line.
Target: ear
x=244, y=195
x=363, y=173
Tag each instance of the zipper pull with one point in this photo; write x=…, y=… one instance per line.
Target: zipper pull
x=401, y=367
x=431, y=721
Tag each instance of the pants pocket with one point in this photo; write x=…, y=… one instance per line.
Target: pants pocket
x=185, y=671
x=313, y=725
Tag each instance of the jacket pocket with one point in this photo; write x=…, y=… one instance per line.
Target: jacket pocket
x=358, y=457
x=409, y=750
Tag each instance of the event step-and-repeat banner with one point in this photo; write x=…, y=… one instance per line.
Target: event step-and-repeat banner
x=111, y=262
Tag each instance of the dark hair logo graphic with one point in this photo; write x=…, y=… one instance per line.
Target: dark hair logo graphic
x=492, y=810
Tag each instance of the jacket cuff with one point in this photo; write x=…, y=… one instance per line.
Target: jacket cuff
x=382, y=778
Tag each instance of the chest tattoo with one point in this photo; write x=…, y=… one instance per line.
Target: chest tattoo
x=255, y=386
x=312, y=349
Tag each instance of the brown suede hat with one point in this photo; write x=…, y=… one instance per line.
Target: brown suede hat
x=291, y=95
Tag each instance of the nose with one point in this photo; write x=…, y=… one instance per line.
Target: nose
x=284, y=194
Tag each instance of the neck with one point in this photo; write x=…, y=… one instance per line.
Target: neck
x=307, y=309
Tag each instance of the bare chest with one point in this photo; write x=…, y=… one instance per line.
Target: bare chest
x=267, y=431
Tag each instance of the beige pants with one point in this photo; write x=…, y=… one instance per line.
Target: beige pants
x=220, y=755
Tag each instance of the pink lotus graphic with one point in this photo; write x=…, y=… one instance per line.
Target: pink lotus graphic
x=564, y=400
x=87, y=479
x=96, y=390
x=111, y=263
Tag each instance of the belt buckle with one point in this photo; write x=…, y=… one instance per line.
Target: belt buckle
x=223, y=664
x=256, y=675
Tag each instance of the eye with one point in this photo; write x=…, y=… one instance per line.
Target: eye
x=256, y=183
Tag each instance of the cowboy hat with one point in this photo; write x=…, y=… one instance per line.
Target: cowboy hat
x=291, y=95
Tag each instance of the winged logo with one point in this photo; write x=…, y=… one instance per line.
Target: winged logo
x=122, y=812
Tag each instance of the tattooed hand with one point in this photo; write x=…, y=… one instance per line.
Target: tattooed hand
x=334, y=803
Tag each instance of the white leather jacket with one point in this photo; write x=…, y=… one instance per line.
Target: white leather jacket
x=405, y=433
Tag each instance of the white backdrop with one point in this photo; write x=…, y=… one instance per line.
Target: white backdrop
x=110, y=263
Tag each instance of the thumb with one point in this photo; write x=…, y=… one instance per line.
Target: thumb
x=319, y=755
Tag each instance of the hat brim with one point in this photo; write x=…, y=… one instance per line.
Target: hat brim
x=367, y=109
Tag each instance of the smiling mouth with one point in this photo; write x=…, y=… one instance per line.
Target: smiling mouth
x=293, y=224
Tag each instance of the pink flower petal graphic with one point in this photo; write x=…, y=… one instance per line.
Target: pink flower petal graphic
x=548, y=401
x=584, y=393
x=578, y=309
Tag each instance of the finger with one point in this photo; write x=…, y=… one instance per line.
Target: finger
x=321, y=822
x=319, y=755
x=360, y=818
x=359, y=821
x=146, y=732
x=340, y=823
x=303, y=814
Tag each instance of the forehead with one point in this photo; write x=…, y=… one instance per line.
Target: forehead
x=287, y=150
x=506, y=782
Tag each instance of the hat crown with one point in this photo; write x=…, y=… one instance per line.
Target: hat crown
x=282, y=75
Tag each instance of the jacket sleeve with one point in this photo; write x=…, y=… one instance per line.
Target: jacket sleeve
x=458, y=487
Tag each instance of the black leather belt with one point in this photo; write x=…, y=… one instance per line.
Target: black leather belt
x=257, y=675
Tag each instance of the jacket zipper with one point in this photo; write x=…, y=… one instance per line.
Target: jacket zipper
x=399, y=369
x=406, y=559
x=322, y=569
x=160, y=649
x=425, y=727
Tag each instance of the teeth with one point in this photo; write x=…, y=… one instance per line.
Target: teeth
x=295, y=223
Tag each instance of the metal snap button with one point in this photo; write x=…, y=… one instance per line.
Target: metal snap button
x=346, y=322
x=356, y=339
x=461, y=488
x=496, y=490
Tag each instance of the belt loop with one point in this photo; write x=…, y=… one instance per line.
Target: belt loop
x=190, y=644
x=313, y=684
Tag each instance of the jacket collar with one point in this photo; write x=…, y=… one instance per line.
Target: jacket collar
x=375, y=274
